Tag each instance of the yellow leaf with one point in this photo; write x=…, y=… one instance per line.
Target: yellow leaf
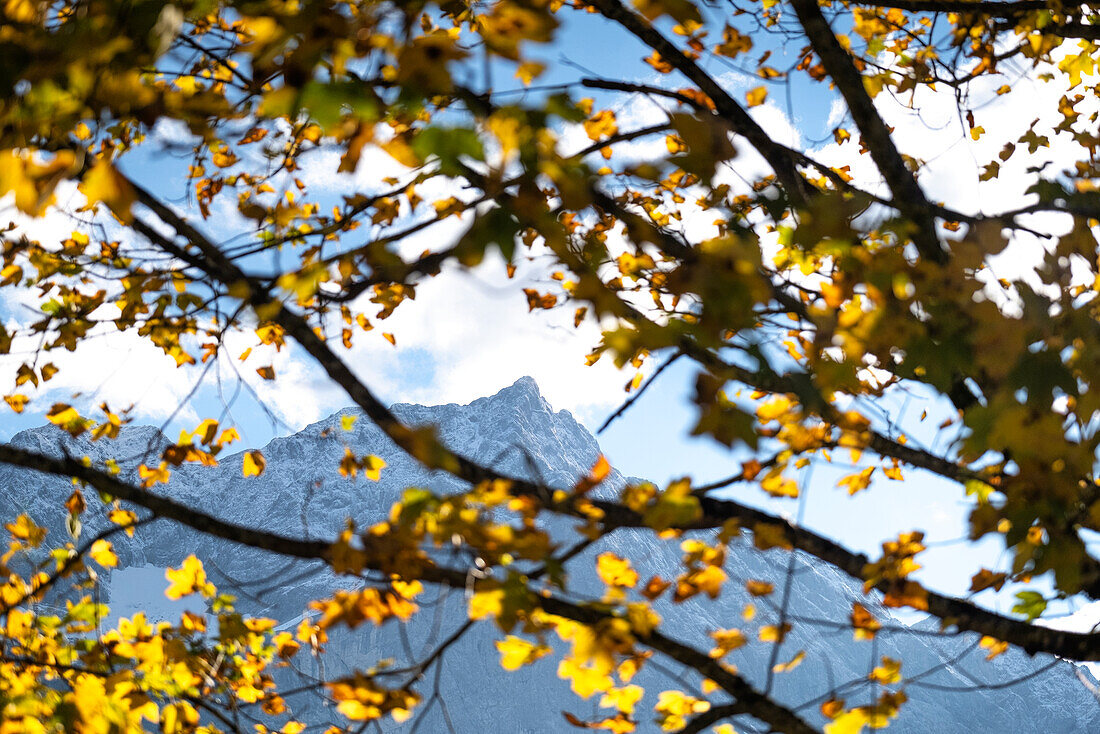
x=17, y=402
x=515, y=652
x=850, y=722
x=486, y=604
x=600, y=470
x=674, y=707
x=25, y=530
x=624, y=699
x=615, y=571
x=123, y=517
x=229, y=435
x=857, y=482
x=774, y=633
x=103, y=183
x=585, y=680
x=601, y=125
x=887, y=673
x=253, y=464
x=774, y=409
x=372, y=467
x=65, y=417
x=400, y=150
x=189, y=85
x=528, y=71
x=185, y=580
x=707, y=579
x=996, y=647
x=103, y=554
x=863, y=622
x=726, y=641
x=759, y=588
x=268, y=372
x=675, y=143
x=150, y=475
x=755, y=97
x=790, y=664
x=778, y=485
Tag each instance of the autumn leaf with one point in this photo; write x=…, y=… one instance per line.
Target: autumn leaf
x=674, y=707
x=76, y=505
x=103, y=553
x=887, y=673
x=103, y=183
x=253, y=464
x=774, y=633
x=986, y=579
x=615, y=571
x=863, y=622
x=65, y=417
x=994, y=646
x=655, y=587
x=857, y=482
x=601, y=125
x=624, y=699
x=790, y=664
x=756, y=96
x=187, y=579
x=154, y=475
x=528, y=71
x=372, y=467
x=759, y=588
x=727, y=640
x=599, y=472
x=17, y=402
x=516, y=652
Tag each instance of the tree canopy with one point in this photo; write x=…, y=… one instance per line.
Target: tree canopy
x=807, y=284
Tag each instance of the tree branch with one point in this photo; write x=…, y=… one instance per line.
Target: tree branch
x=733, y=113
x=908, y=196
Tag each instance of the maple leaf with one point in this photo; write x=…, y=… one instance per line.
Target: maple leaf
x=253, y=464
x=188, y=579
x=103, y=183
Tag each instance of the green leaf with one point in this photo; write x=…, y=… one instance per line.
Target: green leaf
x=449, y=146
x=1031, y=604
x=979, y=489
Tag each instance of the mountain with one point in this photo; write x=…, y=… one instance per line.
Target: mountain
x=951, y=687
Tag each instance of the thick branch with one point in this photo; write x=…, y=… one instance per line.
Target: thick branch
x=908, y=196
x=164, y=507
x=953, y=611
x=732, y=112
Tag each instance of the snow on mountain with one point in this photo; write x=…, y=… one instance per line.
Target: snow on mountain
x=302, y=494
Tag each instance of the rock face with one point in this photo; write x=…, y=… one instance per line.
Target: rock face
x=951, y=688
